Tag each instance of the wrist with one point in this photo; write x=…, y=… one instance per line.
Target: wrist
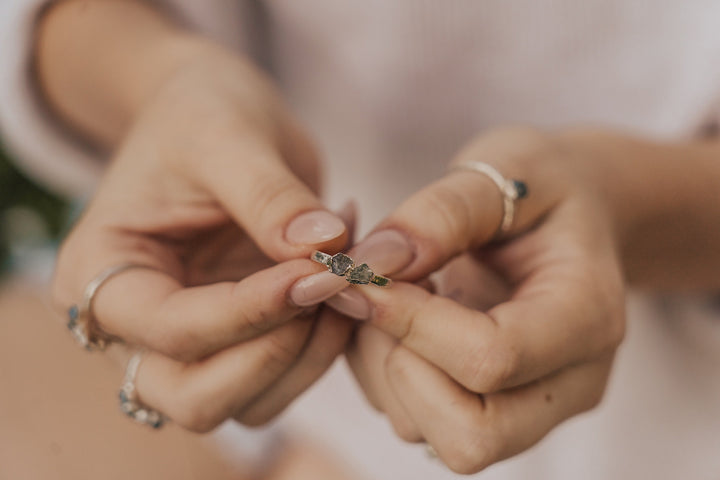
x=96, y=74
x=660, y=198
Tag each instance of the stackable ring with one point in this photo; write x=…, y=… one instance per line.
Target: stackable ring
x=81, y=320
x=511, y=191
x=129, y=402
x=344, y=266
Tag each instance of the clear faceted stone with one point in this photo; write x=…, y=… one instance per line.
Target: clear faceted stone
x=141, y=415
x=340, y=264
x=360, y=275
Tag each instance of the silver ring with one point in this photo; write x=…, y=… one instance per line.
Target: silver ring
x=129, y=401
x=344, y=266
x=81, y=320
x=511, y=191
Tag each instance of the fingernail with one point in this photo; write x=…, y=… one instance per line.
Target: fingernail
x=386, y=251
x=314, y=227
x=352, y=303
x=316, y=288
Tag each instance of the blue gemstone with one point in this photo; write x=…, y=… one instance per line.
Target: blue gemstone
x=73, y=315
x=520, y=188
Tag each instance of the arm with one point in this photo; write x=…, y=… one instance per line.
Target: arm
x=214, y=185
x=665, y=199
x=96, y=72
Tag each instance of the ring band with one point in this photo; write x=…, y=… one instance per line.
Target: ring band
x=129, y=402
x=344, y=266
x=511, y=191
x=81, y=320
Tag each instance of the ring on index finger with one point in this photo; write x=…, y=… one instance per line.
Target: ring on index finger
x=511, y=190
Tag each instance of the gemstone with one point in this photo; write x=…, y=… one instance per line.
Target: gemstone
x=73, y=315
x=520, y=188
x=340, y=264
x=141, y=415
x=360, y=275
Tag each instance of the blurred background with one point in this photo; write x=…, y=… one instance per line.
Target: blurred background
x=32, y=220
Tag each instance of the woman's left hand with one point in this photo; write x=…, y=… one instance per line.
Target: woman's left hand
x=480, y=385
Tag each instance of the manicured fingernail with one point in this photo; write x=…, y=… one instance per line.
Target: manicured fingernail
x=314, y=227
x=352, y=303
x=386, y=251
x=316, y=288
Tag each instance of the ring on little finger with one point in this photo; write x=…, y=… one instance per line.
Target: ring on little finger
x=129, y=401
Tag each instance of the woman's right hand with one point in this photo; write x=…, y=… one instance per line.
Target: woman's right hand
x=215, y=187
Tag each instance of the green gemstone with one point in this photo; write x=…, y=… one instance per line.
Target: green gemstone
x=360, y=275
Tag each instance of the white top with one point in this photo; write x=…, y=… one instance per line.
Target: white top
x=390, y=90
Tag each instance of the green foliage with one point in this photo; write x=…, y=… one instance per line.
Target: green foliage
x=18, y=190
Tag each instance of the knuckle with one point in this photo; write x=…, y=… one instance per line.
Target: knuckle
x=489, y=368
x=397, y=368
x=467, y=455
x=450, y=211
x=192, y=412
x=272, y=195
x=406, y=431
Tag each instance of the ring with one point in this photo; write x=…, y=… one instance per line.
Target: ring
x=344, y=266
x=511, y=191
x=129, y=402
x=81, y=321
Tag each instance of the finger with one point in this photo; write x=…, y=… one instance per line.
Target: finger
x=470, y=432
x=464, y=209
x=201, y=395
x=471, y=283
x=280, y=212
x=569, y=308
x=327, y=341
x=386, y=253
x=151, y=309
x=348, y=214
x=367, y=357
x=515, y=342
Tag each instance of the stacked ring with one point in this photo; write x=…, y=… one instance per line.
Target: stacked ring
x=129, y=402
x=344, y=266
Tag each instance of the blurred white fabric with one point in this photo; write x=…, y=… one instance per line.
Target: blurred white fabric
x=390, y=90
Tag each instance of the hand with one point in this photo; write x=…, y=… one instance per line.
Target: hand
x=213, y=186
x=480, y=385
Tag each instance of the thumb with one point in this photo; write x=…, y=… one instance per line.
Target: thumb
x=277, y=210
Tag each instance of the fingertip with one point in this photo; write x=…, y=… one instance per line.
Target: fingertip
x=316, y=227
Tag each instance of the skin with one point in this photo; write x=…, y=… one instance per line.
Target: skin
x=207, y=167
x=605, y=210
